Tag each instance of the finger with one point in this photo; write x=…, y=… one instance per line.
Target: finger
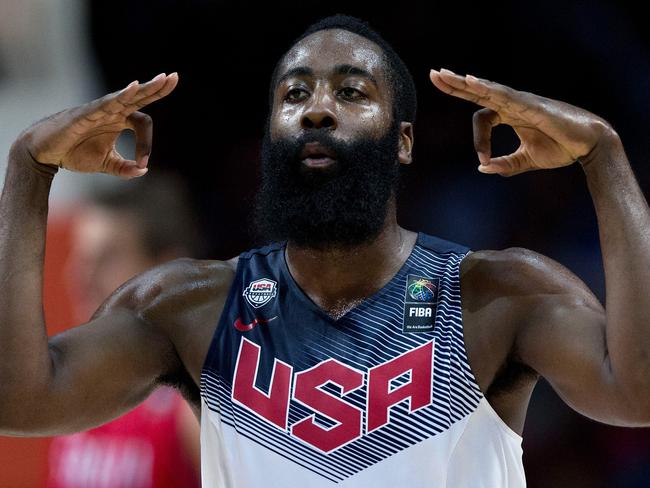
x=506, y=98
x=128, y=172
x=116, y=102
x=483, y=121
x=451, y=78
x=125, y=95
x=509, y=165
x=444, y=85
x=169, y=85
x=486, y=93
x=132, y=98
x=108, y=104
x=142, y=125
x=151, y=86
x=129, y=102
x=450, y=83
x=126, y=169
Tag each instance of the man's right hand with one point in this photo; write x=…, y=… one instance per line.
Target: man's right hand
x=83, y=138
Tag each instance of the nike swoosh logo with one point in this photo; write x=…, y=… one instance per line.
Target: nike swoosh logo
x=242, y=327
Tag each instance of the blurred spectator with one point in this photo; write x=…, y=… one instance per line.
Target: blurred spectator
x=46, y=65
x=117, y=234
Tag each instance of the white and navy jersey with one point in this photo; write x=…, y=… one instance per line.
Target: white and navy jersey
x=383, y=396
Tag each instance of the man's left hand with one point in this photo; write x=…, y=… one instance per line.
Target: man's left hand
x=551, y=133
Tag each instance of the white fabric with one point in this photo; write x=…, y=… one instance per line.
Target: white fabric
x=479, y=451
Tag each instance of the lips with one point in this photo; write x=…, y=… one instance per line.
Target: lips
x=315, y=154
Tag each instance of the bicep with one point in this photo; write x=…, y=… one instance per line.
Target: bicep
x=563, y=338
x=105, y=368
x=100, y=370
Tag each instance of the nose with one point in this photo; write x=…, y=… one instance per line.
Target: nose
x=319, y=113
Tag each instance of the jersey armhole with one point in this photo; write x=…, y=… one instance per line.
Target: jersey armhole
x=226, y=306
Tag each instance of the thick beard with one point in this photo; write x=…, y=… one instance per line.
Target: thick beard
x=338, y=207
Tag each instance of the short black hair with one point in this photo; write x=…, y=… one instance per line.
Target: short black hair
x=398, y=75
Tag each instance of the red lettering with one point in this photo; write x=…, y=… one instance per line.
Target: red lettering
x=307, y=390
x=273, y=407
x=381, y=398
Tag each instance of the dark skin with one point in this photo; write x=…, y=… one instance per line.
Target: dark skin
x=524, y=315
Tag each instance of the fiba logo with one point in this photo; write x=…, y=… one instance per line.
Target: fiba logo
x=420, y=303
x=422, y=290
x=259, y=292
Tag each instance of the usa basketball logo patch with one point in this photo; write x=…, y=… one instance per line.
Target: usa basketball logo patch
x=259, y=292
x=420, y=303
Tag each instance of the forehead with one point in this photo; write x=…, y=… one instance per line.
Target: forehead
x=327, y=48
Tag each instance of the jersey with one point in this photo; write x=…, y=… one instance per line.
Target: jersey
x=141, y=449
x=382, y=396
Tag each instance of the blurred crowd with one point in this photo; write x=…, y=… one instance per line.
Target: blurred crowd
x=195, y=200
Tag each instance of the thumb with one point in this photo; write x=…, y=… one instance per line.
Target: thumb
x=125, y=169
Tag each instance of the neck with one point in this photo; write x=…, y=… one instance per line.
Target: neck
x=339, y=276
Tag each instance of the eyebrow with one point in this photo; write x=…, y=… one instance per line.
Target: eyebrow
x=339, y=69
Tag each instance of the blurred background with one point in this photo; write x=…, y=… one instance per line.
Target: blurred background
x=59, y=53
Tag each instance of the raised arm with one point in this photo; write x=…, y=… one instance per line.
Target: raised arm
x=597, y=358
x=97, y=371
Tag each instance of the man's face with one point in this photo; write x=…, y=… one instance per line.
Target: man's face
x=336, y=75
x=107, y=250
x=330, y=152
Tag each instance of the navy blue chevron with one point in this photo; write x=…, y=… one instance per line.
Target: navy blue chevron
x=368, y=335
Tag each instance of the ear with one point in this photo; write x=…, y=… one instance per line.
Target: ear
x=405, y=142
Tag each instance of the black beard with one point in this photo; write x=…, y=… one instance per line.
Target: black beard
x=340, y=206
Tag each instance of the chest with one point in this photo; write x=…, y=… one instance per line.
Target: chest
x=331, y=389
x=284, y=359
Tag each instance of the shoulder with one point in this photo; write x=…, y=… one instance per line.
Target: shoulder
x=517, y=270
x=515, y=294
x=524, y=288
x=179, y=302
x=163, y=292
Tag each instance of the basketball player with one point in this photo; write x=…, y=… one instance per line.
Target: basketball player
x=341, y=352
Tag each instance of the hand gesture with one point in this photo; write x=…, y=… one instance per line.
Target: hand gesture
x=552, y=133
x=83, y=138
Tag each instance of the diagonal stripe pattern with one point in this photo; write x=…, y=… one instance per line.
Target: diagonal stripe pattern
x=366, y=337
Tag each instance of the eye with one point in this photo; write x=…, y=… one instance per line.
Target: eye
x=295, y=94
x=351, y=93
